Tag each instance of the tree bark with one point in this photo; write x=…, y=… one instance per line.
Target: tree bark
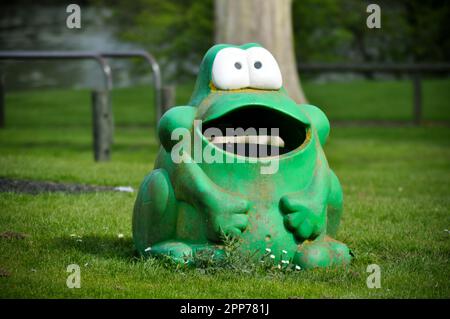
x=267, y=22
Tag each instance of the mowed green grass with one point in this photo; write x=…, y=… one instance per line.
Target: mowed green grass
x=396, y=184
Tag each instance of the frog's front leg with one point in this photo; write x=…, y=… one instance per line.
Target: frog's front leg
x=312, y=216
x=225, y=211
x=155, y=219
x=305, y=211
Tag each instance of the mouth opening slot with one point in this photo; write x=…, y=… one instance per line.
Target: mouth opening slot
x=255, y=131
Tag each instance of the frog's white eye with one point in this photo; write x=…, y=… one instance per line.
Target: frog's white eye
x=230, y=69
x=263, y=69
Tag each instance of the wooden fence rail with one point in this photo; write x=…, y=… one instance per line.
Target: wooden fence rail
x=414, y=70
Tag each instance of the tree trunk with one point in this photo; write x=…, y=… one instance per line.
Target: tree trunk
x=267, y=22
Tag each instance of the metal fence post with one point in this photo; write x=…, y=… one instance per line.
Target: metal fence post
x=102, y=122
x=167, y=99
x=2, y=102
x=417, y=88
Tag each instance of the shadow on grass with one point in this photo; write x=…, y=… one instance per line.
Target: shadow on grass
x=104, y=246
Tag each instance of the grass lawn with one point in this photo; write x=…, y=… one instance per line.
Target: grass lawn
x=396, y=184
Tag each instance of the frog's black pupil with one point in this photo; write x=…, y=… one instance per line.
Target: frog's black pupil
x=237, y=65
x=258, y=65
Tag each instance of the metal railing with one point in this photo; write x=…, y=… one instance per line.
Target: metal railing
x=103, y=126
x=62, y=55
x=156, y=73
x=414, y=70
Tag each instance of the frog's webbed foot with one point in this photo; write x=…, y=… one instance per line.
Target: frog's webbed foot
x=226, y=213
x=183, y=253
x=323, y=252
x=305, y=218
x=179, y=252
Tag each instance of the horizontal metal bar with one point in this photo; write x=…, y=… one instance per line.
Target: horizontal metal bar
x=62, y=55
x=375, y=67
x=100, y=58
x=47, y=54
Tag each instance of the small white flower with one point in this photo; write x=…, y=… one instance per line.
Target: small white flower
x=148, y=249
x=284, y=251
x=120, y=235
x=279, y=266
x=285, y=261
x=297, y=267
x=272, y=256
x=268, y=250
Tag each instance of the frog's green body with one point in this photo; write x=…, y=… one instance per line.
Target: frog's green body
x=184, y=207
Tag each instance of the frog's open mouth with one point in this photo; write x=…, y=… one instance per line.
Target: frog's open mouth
x=255, y=131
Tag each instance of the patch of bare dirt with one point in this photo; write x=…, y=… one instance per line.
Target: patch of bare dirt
x=4, y=273
x=13, y=235
x=37, y=187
